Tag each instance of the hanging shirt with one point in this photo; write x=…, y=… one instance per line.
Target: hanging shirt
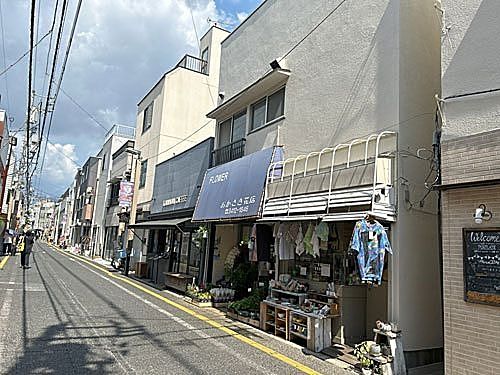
x=299, y=242
x=308, y=237
x=283, y=245
x=322, y=231
x=370, y=241
x=315, y=243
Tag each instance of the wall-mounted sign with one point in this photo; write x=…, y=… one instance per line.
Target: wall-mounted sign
x=176, y=200
x=126, y=193
x=482, y=266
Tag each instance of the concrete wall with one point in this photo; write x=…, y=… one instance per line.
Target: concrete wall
x=470, y=55
x=368, y=67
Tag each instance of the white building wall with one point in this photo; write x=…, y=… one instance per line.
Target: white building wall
x=367, y=67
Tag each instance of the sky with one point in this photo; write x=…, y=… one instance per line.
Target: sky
x=121, y=48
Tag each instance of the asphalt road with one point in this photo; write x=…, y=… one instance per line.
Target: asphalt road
x=66, y=316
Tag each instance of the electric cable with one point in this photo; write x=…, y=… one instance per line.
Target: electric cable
x=63, y=69
x=24, y=54
x=84, y=110
x=52, y=73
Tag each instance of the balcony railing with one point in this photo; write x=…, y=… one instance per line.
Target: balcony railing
x=193, y=63
x=229, y=152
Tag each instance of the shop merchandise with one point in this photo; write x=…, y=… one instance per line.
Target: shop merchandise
x=252, y=245
x=282, y=242
x=315, y=244
x=308, y=238
x=322, y=231
x=370, y=241
x=299, y=242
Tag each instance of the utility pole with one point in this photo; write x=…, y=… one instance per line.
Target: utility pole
x=28, y=112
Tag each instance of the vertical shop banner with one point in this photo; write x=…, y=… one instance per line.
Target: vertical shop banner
x=126, y=194
x=234, y=190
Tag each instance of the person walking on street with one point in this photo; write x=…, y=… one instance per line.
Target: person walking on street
x=28, y=241
x=7, y=242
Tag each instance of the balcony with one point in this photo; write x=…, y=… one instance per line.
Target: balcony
x=229, y=152
x=193, y=63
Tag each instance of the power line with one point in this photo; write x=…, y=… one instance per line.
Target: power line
x=25, y=54
x=313, y=29
x=63, y=69
x=84, y=110
x=51, y=80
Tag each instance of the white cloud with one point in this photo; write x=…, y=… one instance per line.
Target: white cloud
x=59, y=169
x=121, y=48
x=241, y=16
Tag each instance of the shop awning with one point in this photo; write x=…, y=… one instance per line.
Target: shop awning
x=160, y=223
x=234, y=191
x=255, y=91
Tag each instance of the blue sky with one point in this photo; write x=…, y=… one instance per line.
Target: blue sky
x=120, y=50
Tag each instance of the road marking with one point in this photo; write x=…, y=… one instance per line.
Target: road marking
x=185, y=324
x=271, y=352
x=78, y=306
x=4, y=261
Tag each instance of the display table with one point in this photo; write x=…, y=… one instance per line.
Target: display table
x=291, y=323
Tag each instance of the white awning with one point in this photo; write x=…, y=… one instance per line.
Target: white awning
x=155, y=224
x=255, y=91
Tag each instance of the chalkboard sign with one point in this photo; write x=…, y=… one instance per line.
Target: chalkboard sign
x=482, y=266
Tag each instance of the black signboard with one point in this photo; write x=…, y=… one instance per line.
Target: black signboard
x=482, y=266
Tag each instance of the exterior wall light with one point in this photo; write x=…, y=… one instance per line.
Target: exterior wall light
x=482, y=214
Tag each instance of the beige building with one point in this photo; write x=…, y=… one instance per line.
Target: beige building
x=470, y=152
x=172, y=118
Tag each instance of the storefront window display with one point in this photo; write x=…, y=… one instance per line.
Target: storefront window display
x=327, y=271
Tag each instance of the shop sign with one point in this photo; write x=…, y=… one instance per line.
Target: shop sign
x=482, y=266
x=176, y=200
x=235, y=190
x=126, y=193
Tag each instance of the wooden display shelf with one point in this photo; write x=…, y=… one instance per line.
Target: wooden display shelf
x=298, y=334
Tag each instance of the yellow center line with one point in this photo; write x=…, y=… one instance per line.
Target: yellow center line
x=289, y=361
x=4, y=261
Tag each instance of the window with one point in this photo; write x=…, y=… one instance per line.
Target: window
x=103, y=161
x=258, y=113
x=148, y=117
x=233, y=129
x=204, y=57
x=114, y=194
x=268, y=109
x=142, y=177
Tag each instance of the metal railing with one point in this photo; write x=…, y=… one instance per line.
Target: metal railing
x=120, y=130
x=193, y=63
x=229, y=152
x=374, y=138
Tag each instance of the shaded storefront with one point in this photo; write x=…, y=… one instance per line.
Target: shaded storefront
x=174, y=253
x=230, y=202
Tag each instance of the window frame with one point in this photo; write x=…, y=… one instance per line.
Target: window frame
x=231, y=118
x=144, y=117
x=205, y=67
x=266, y=119
x=142, y=174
